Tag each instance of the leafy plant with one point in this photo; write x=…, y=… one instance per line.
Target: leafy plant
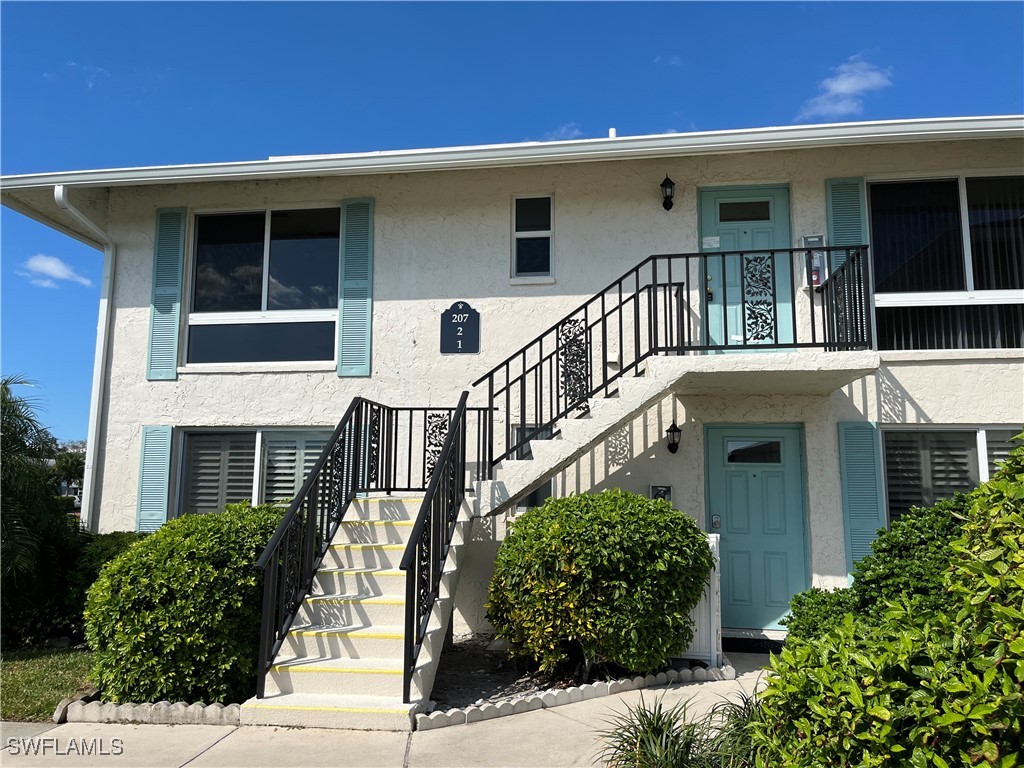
x=912, y=685
x=815, y=611
x=177, y=615
x=608, y=577
x=654, y=738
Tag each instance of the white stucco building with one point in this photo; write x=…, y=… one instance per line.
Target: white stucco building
x=834, y=319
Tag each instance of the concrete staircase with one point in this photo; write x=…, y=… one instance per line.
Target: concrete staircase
x=578, y=434
x=341, y=663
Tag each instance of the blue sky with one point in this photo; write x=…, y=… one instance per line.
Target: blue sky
x=100, y=85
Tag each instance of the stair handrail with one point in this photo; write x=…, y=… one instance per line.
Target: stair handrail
x=671, y=320
x=430, y=540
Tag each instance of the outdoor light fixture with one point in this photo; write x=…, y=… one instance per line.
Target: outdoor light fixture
x=673, y=432
x=668, y=191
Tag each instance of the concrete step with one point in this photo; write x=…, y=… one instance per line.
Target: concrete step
x=373, y=531
x=341, y=641
x=368, y=713
x=364, y=556
x=371, y=676
x=355, y=610
x=368, y=582
x=384, y=508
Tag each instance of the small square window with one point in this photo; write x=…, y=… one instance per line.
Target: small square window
x=532, y=231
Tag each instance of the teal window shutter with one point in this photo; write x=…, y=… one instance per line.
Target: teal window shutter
x=154, y=478
x=847, y=215
x=355, y=294
x=168, y=262
x=860, y=470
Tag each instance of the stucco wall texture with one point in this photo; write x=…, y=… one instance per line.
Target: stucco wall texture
x=446, y=236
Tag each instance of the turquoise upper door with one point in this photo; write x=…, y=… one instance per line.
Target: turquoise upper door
x=749, y=295
x=755, y=501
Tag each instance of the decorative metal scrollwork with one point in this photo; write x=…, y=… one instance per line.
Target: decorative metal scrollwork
x=760, y=320
x=574, y=364
x=423, y=601
x=292, y=564
x=336, y=486
x=373, y=457
x=437, y=431
x=839, y=299
x=757, y=275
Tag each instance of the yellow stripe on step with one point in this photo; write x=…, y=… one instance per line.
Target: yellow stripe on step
x=369, y=546
x=347, y=633
x=353, y=710
x=335, y=670
x=347, y=600
x=403, y=523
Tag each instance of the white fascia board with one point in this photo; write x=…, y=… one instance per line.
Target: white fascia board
x=543, y=153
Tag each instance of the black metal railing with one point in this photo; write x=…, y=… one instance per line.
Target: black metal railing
x=694, y=303
x=374, y=448
x=427, y=550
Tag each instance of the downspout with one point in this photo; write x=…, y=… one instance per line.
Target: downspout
x=90, y=516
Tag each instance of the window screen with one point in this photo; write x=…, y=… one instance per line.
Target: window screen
x=996, y=213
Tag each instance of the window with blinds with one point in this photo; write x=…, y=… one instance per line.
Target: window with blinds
x=218, y=470
x=922, y=467
x=288, y=459
x=999, y=442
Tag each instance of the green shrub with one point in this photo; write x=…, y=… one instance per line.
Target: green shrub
x=910, y=559
x=655, y=737
x=911, y=685
x=177, y=615
x=96, y=551
x=816, y=611
x=608, y=577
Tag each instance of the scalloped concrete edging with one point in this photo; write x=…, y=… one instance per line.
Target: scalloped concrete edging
x=556, y=697
x=161, y=713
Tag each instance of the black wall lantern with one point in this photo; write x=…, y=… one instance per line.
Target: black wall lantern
x=673, y=433
x=668, y=191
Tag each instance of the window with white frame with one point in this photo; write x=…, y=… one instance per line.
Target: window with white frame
x=948, y=259
x=221, y=468
x=533, y=232
x=923, y=466
x=265, y=286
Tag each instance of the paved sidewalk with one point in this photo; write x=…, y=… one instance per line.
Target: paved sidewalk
x=563, y=736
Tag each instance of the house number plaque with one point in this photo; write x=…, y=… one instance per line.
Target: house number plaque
x=460, y=330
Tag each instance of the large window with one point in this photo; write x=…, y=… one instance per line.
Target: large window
x=532, y=235
x=949, y=262
x=924, y=466
x=221, y=468
x=265, y=286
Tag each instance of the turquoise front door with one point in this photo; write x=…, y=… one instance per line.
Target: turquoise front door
x=755, y=501
x=749, y=293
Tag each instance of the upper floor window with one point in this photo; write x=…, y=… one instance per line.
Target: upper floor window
x=265, y=286
x=532, y=235
x=920, y=243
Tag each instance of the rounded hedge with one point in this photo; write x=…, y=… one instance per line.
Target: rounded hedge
x=608, y=577
x=177, y=615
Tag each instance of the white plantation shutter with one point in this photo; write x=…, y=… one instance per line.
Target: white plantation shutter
x=923, y=467
x=218, y=470
x=289, y=460
x=1000, y=443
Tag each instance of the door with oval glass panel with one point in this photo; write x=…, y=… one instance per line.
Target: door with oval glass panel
x=748, y=290
x=755, y=501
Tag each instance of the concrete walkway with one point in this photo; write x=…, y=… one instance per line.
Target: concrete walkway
x=562, y=736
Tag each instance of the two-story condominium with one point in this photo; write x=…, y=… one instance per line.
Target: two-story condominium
x=793, y=333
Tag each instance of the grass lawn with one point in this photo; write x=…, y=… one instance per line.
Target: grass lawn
x=32, y=682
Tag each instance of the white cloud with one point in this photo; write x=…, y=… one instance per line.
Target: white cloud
x=564, y=132
x=45, y=272
x=672, y=61
x=842, y=93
